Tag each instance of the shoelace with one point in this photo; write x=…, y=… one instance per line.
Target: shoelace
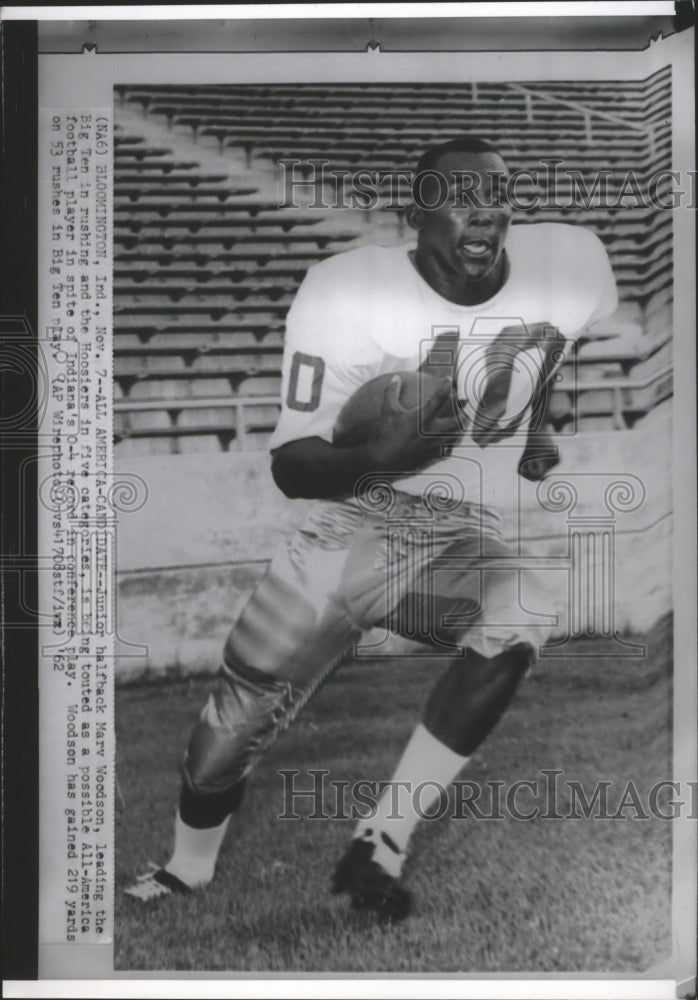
x=386, y=853
x=146, y=887
x=152, y=868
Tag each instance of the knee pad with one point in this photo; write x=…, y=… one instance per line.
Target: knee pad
x=250, y=706
x=242, y=718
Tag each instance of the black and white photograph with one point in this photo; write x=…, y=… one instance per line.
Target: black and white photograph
x=395, y=360
x=365, y=479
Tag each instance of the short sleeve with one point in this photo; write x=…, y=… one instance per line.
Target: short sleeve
x=605, y=300
x=575, y=273
x=328, y=353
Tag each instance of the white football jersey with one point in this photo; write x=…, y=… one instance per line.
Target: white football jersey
x=368, y=312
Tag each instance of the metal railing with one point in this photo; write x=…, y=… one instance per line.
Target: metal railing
x=173, y=406
x=618, y=386
x=587, y=113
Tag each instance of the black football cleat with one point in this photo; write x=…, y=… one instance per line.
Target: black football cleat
x=369, y=885
x=156, y=884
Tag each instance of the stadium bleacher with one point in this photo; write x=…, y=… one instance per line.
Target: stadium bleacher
x=206, y=263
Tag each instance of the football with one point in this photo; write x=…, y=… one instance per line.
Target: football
x=360, y=417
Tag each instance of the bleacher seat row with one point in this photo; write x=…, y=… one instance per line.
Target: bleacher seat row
x=206, y=263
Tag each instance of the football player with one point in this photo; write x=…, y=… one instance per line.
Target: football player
x=492, y=307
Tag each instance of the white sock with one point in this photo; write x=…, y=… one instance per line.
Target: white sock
x=425, y=759
x=195, y=852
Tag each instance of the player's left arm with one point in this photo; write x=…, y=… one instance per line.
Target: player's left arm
x=596, y=300
x=593, y=289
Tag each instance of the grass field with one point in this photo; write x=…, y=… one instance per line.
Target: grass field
x=492, y=896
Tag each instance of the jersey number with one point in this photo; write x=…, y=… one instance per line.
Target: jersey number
x=305, y=382
x=500, y=363
x=491, y=378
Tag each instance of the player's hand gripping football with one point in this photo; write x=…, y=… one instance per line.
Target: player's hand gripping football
x=409, y=438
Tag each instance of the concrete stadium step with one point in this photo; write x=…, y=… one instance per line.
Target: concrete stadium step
x=165, y=392
x=318, y=91
x=339, y=98
x=336, y=98
x=641, y=287
x=659, y=302
x=626, y=400
x=185, y=172
x=142, y=422
x=661, y=358
x=240, y=291
x=638, y=402
x=197, y=223
x=630, y=90
x=628, y=108
x=432, y=127
x=225, y=341
x=206, y=421
x=263, y=242
x=629, y=242
x=651, y=323
x=134, y=193
x=216, y=306
x=645, y=224
x=386, y=174
x=263, y=388
x=203, y=419
x=136, y=271
x=223, y=429
x=641, y=267
x=388, y=151
x=172, y=366
x=243, y=387
x=396, y=147
x=345, y=158
x=190, y=344
x=218, y=260
x=648, y=288
x=256, y=325
x=360, y=125
x=146, y=446
x=122, y=139
x=127, y=152
x=622, y=354
x=294, y=98
x=150, y=209
x=137, y=447
x=596, y=424
x=176, y=287
x=513, y=110
x=509, y=115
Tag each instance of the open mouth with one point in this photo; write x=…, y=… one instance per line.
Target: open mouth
x=474, y=248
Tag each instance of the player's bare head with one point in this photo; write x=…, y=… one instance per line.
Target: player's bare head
x=467, y=170
x=460, y=210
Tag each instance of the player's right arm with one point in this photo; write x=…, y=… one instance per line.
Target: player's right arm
x=329, y=352
x=317, y=469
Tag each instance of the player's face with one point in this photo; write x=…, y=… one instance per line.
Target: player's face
x=463, y=235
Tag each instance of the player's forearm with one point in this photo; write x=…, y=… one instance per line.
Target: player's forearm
x=312, y=468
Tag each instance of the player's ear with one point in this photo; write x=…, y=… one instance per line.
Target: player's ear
x=415, y=216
